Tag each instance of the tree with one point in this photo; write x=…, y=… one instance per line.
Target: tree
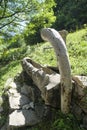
x=15, y=13
x=45, y=18
x=70, y=14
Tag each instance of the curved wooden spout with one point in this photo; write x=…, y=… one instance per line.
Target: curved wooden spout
x=52, y=36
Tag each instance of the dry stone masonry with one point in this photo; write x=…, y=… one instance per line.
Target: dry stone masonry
x=26, y=106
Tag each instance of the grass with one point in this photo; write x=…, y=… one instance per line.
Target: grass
x=77, y=48
x=8, y=70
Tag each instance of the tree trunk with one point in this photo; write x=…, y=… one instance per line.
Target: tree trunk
x=59, y=46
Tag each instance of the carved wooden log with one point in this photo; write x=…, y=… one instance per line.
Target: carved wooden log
x=45, y=79
x=59, y=46
x=63, y=33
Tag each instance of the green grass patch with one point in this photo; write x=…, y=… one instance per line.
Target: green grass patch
x=77, y=48
x=8, y=70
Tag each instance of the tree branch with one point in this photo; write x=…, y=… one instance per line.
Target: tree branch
x=2, y=17
x=7, y=24
x=16, y=12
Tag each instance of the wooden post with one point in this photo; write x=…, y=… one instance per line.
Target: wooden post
x=52, y=36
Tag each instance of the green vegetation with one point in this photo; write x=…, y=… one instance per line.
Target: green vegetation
x=77, y=48
x=44, y=19
x=70, y=14
x=20, y=24
x=61, y=122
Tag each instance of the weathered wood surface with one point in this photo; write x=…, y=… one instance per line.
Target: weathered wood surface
x=52, y=36
x=44, y=78
x=63, y=33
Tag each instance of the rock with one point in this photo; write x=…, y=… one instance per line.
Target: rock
x=20, y=118
x=83, y=103
x=77, y=111
x=28, y=91
x=39, y=109
x=28, y=106
x=80, y=92
x=5, y=126
x=1, y=109
x=1, y=102
x=80, y=85
x=17, y=100
x=85, y=122
x=83, y=79
x=9, y=84
x=52, y=98
x=41, y=83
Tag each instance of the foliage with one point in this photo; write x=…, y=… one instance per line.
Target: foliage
x=65, y=122
x=70, y=14
x=9, y=55
x=44, y=18
x=15, y=42
x=61, y=122
x=15, y=12
x=42, y=55
x=77, y=47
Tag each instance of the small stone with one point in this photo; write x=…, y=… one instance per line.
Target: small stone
x=28, y=90
x=1, y=102
x=28, y=106
x=12, y=91
x=39, y=109
x=77, y=111
x=10, y=84
x=32, y=104
x=17, y=100
x=20, y=118
x=1, y=109
x=85, y=121
x=4, y=127
x=83, y=79
x=24, y=89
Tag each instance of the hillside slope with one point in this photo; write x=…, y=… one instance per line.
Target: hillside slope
x=41, y=53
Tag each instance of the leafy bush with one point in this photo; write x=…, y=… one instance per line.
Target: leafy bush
x=65, y=122
x=70, y=14
x=45, y=18
x=16, y=41
x=13, y=54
